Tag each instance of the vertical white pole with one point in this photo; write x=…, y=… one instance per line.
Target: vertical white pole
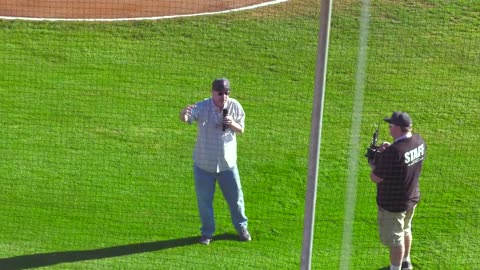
x=315, y=138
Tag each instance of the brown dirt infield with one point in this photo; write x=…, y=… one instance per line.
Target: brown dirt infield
x=112, y=9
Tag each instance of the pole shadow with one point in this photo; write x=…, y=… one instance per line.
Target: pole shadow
x=47, y=259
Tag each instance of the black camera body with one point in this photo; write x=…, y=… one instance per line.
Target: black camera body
x=373, y=150
x=372, y=153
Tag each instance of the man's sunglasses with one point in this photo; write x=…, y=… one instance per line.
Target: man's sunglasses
x=220, y=93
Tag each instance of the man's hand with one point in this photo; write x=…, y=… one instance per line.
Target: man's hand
x=186, y=113
x=375, y=178
x=229, y=122
x=383, y=147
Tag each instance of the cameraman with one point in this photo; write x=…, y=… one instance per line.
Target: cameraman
x=396, y=170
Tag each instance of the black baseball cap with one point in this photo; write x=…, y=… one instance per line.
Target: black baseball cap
x=401, y=119
x=221, y=84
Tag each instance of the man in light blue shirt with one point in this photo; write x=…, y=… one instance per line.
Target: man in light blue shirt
x=219, y=118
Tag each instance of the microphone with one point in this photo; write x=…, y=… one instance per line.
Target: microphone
x=225, y=113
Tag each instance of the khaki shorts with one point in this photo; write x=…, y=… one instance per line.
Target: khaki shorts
x=393, y=227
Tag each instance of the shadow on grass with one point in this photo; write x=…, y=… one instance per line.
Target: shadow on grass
x=46, y=259
x=388, y=268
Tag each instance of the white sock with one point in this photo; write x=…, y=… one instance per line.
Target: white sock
x=394, y=267
x=406, y=259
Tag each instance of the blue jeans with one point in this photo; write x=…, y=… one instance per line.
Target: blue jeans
x=229, y=182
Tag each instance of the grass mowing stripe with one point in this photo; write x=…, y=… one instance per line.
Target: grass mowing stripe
x=355, y=131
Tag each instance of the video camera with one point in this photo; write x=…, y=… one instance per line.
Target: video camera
x=373, y=149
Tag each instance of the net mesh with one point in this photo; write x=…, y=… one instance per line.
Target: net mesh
x=97, y=168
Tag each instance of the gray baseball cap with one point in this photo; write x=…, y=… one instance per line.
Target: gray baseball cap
x=221, y=84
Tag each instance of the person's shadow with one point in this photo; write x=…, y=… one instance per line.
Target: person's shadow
x=387, y=268
x=46, y=259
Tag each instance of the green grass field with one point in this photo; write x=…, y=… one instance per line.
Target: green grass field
x=97, y=170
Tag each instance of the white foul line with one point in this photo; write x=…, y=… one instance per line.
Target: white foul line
x=145, y=18
x=351, y=190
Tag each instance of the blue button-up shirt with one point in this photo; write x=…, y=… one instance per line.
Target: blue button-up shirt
x=215, y=149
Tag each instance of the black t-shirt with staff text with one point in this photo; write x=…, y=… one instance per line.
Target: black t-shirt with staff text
x=400, y=166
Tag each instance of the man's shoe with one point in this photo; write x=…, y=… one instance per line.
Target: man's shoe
x=244, y=235
x=407, y=266
x=205, y=240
